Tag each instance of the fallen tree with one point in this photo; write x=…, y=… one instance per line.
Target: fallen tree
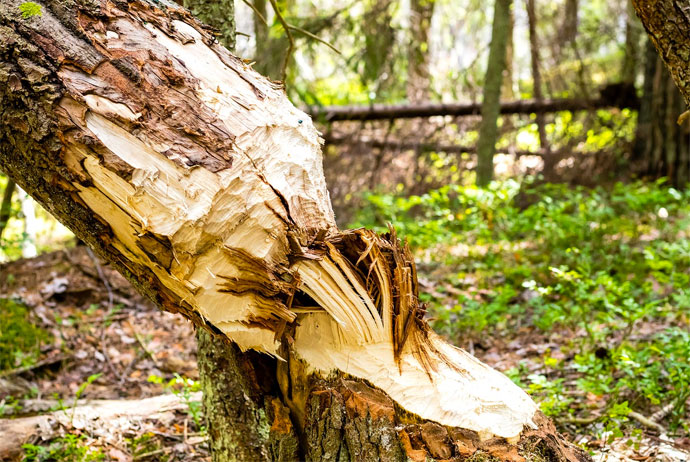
x=94, y=417
x=199, y=181
x=612, y=96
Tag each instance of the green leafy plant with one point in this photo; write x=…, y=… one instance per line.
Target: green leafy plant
x=30, y=9
x=80, y=391
x=69, y=448
x=184, y=388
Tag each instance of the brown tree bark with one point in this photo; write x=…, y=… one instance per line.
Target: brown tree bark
x=632, y=57
x=6, y=206
x=491, y=97
x=668, y=24
x=536, y=79
x=421, y=13
x=197, y=179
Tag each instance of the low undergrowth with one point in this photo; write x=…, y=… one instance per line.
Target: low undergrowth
x=584, y=292
x=20, y=337
x=68, y=448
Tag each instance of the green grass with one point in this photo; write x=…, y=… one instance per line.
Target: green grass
x=604, y=273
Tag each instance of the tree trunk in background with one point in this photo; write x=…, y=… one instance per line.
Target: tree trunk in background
x=536, y=84
x=29, y=224
x=6, y=206
x=217, y=13
x=269, y=52
x=570, y=20
x=632, y=58
x=421, y=12
x=662, y=147
x=198, y=180
x=507, y=91
x=488, y=130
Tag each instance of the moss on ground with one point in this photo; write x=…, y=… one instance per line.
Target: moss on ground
x=20, y=337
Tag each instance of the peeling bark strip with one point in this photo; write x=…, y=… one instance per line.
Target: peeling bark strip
x=200, y=182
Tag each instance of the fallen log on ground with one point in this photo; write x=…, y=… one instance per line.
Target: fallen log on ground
x=95, y=417
x=410, y=111
x=199, y=181
x=423, y=146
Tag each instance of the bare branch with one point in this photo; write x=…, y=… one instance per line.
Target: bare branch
x=291, y=41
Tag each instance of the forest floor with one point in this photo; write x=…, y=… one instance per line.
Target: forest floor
x=607, y=361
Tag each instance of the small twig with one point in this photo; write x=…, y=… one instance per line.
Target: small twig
x=149, y=454
x=107, y=319
x=289, y=26
x=173, y=436
x=128, y=369
x=38, y=365
x=582, y=420
x=661, y=413
x=102, y=277
x=192, y=442
x=143, y=345
x=315, y=37
x=649, y=423
x=256, y=12
x=291, y=41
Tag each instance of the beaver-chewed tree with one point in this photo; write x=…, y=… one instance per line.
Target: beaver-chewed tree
x=199, y=180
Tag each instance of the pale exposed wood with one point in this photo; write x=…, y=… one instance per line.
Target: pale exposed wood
x=358, y=336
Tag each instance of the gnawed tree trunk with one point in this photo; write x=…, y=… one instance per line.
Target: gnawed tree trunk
x=199, y=181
